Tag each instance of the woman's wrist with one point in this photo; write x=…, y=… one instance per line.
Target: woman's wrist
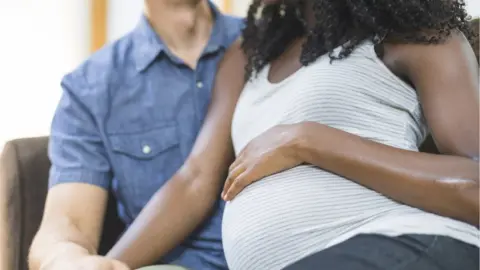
x=306, y=144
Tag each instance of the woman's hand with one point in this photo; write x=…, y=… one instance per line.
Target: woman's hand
x=269, y=153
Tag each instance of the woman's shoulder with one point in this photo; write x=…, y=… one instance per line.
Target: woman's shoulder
x=405, y=57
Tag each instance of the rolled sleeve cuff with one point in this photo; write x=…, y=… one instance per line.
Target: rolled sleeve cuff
x=99, y=179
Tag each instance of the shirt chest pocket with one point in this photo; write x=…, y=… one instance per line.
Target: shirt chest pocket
x=144, y=161
x=145, y=145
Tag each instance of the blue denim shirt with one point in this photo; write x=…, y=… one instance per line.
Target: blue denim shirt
x=127, y=120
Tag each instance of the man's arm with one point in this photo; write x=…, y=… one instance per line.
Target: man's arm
x=187, y=198
x=71, y=225
x=79, y=176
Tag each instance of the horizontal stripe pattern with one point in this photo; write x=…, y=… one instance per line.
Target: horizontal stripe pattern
x=289, y=215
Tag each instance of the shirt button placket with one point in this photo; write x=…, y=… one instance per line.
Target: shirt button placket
x=198, y=86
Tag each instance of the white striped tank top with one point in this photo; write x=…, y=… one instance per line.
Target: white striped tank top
x=287, y=216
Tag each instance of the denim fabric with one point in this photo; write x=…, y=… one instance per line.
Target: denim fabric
x=405, y=252
x=128, y=118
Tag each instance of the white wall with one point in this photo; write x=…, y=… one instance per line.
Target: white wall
x=473, y=7
x=240, y=7
x=123, y=16
x=41, y=41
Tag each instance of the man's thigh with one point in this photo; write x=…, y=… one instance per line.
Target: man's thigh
x=163, y=267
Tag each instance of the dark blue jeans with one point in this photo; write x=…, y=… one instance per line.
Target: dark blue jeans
x=406, y=252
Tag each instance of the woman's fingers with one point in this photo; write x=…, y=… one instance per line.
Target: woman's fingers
x=236, y=169
x=237, y=185
x=238, y=160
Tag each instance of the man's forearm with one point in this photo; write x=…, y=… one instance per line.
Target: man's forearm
x=168, y=218
x=446, y=185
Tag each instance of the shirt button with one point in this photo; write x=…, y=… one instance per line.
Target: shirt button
x=199, y=84
x=146, y=149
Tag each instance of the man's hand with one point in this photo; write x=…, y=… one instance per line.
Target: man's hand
x=86, y=262
x=269, y=153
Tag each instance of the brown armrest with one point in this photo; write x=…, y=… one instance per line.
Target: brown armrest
x=24, y=169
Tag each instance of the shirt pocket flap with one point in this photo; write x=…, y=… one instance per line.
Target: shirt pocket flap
x=145, y=145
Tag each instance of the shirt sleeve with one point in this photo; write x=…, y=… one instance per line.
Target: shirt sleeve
x=76, y=150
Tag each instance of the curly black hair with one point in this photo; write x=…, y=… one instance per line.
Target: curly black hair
x=475, y=42
x=272, y=28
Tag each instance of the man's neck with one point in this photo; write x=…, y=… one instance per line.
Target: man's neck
x=181, y=24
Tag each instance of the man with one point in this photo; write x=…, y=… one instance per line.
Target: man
x=127, y=120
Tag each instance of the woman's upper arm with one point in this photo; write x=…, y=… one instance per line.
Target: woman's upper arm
x=446, y=78
x=212, y=152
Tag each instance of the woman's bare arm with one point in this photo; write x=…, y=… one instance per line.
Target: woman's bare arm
x=446, y=78
x=187, y=198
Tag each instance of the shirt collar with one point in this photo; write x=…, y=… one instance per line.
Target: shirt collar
x=148, y=45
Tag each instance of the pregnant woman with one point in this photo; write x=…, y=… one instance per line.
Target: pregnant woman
x=338, y=98
x=324, y=104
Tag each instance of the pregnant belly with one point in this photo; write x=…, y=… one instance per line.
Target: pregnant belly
x=286, y=216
